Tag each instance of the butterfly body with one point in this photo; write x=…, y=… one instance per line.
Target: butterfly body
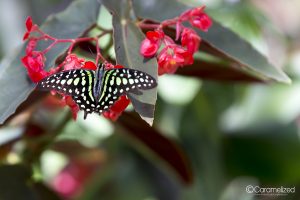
x=96, y=91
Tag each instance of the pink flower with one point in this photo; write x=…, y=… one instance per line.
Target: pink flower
x=190, y=40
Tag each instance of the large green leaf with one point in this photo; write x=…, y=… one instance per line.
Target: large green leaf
x=71, y=23
x=219, y=40
x=127, y=41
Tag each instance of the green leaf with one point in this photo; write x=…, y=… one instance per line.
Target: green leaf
x=219, y=40
x=127, y=40
x=71, y=23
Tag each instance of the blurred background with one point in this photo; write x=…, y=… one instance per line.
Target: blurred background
x=233, y=134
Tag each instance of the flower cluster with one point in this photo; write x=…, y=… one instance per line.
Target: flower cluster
x=34, y=62
x=172, y=55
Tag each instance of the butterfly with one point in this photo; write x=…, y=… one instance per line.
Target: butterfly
x=96, y=91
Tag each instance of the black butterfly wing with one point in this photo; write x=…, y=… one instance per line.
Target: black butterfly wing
x=69, y=82
x=117, y=82
x=130, y=80
x=77, y=83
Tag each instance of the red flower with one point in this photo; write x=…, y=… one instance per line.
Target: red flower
x=34, y=63
x=200, y=19
x=171, y=57
x=190, y=39
x=116, y=110
x=151, y=44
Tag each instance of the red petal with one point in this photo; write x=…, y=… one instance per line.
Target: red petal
x=89, y=65
x=118, y=67
x=25, y=36
x=37, y=76
x=28, y=23
x=148, y=48
x=153, y=36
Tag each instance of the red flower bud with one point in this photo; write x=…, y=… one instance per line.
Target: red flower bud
x=200, y=20
x=28, y=23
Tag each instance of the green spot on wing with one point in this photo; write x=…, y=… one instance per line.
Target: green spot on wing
x=118, y=81
x=76, y=81
x=69, y=81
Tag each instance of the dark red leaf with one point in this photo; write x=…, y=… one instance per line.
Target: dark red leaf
x=215, y=71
